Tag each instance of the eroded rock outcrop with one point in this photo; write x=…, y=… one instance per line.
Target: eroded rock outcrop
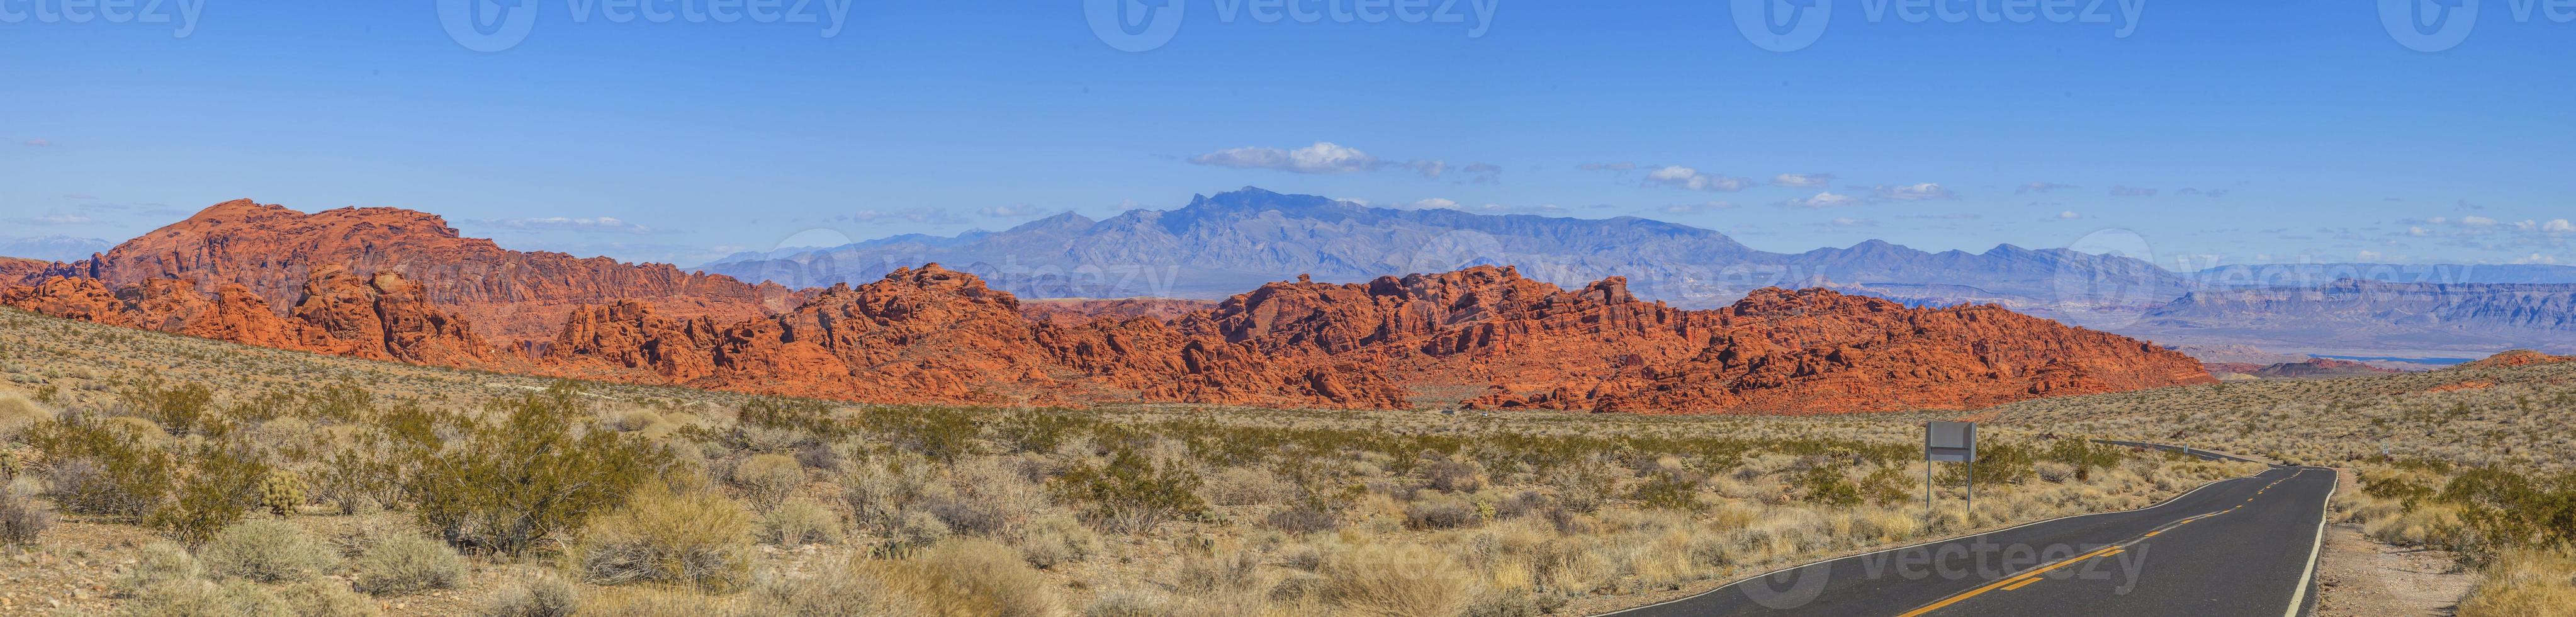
x=380, y=318
x=273, y=251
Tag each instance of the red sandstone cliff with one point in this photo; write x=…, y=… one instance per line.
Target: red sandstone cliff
x=273, y=251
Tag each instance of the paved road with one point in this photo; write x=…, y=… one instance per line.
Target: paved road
x=2241, y=547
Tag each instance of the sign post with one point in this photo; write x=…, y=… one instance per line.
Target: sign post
x=1954, y=442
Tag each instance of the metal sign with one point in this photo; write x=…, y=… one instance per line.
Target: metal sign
x=1950, y=442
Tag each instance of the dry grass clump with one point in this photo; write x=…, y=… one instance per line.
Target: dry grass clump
x=1395, y=581
x=960, y=577
x=22, y=517
x=696, y=538
x=17, y=413
x=406, y=564
x=267, y=551
x=538, y=596
x=2525, y=583
x=798, y=522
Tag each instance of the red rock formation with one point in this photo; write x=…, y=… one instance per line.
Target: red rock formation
x=273, y=251
x=2519, y=357
x=384, y=318
x=400, y=286
x=19, y=271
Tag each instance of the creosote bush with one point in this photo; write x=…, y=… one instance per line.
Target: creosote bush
x=508, y=484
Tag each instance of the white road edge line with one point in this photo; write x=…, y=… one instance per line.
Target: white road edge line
x=1740, y=581
x=2299, y=597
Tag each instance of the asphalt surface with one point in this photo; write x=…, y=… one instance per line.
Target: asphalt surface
x=2241, y=547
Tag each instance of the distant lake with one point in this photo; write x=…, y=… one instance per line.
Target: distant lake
x=2443, y=361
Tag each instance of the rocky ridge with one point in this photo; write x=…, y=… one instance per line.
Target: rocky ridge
x=1483, y=336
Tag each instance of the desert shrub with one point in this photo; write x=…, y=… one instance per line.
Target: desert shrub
x=200, y=598
x=1514, y=603
x=157, y=564
x=819, y=456
x=1302, y=520
x=1825, y=484
x=1440, y=514
x=324, y=598
x=1128, y=602
x=977, y=568
x=1395, y=581
x=798, y=522
x=22, y=518
x=406, y=564
x=177, y=409
x=965, y=577
x=506, y=485
x=1056, y=540
x=1229, y=572
x=267, y=551
x=2084, y=455
x=1667, y=490
x=1131, y=494
x=349, y=480
x=16, y=414
x=940, y=434
x=880, y=495
x=767, y=479
x=536, y=596
x=1245, y=486
x=696, y=538
x=223, y=485
x=101, y=468
x=1035, y=430
x=1998, y=462
x=2524, y=583
x=1451, y=476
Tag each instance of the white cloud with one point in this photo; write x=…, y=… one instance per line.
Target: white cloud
x=2477, y=221
x=1434, y=203
x=1852, y=222
x=1827, y=199
x=2537, y=258
x=1429, y=169
x=2557, y=226
x=2129, y=191
x=565, y=223
x=1912, y=192
x=2417, y=231
x=1802, y=180
x=2368, y=256
x=1677, y=176
x=2041, y=187
x=2069, y=215
x=1322, y=158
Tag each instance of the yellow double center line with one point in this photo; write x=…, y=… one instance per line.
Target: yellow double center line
x=2028, y=577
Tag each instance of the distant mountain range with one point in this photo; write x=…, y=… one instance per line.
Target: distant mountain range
x=2372, y=315
x=1222, y=244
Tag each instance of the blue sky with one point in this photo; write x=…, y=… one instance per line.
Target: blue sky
x=2265, y=131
